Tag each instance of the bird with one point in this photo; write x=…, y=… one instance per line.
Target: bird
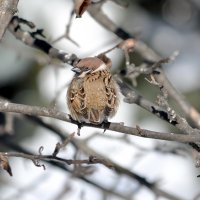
x=93, y=94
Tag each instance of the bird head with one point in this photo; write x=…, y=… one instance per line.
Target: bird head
x=89, y=65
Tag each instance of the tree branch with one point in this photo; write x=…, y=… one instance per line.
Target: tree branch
x=35, y=158
x=15, y=147
x=31, y=39
x=150, y=56
x=118, y=127
x=7, y=10
x=79, y=144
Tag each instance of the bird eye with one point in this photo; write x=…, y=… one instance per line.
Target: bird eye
x=86, y=69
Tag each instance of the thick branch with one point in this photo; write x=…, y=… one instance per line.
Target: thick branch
x=7, y=10
x=118, y=127
x=87, y=150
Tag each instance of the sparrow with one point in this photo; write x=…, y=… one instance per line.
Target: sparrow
x=92, y=96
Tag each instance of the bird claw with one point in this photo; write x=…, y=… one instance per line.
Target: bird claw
x=105, y=125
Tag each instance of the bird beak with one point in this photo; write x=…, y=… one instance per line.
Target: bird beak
x=76, y=70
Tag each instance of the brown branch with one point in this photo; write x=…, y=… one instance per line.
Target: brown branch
x=64, y=144
x=132, y=72
x=96, y=12
x=14, y=146
x=56, y=114
x=131, y=96
x=81, y=146
x=31, y=39
x=149, y=55
x=66, y=35
x=36, y=158
x=118, y=127
x=7, y=10
x=185, y=106
x=41, y=44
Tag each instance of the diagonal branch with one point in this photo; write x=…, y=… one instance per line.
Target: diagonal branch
x=31, y=39
x=149, y=55
x=131, y=96
x=7, y=10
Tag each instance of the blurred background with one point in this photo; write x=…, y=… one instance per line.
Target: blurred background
x=28, y=77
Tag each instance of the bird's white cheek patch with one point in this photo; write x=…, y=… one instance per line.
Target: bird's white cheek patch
x=82, y=75
x=101, y=67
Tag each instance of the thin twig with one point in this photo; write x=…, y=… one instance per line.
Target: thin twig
x=66, y=35
x=64, y=144
x=14, y=146
x=35, y=158
x=116, y=167
x=132, y=96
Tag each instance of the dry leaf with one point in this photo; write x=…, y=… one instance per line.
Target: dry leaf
x=127, y=45
x=80, y=6
x=4, y=164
